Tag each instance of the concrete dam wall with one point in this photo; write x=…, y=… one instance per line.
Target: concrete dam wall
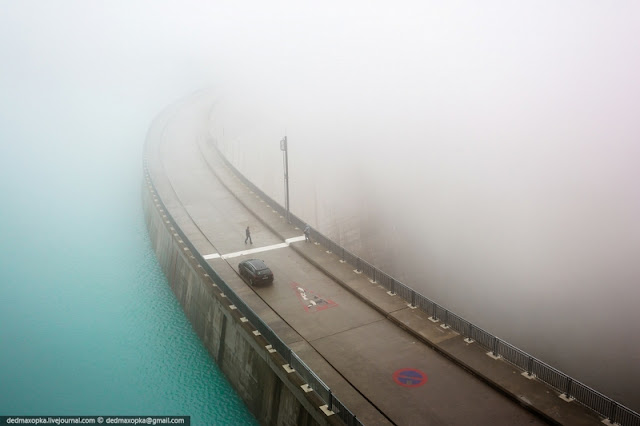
x=272, y=394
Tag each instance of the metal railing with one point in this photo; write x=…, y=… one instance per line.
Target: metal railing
x=310, y=377
x=333, y=403
x=567, y=386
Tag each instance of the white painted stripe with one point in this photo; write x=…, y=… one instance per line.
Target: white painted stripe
x=294, y=239
x=255, y=250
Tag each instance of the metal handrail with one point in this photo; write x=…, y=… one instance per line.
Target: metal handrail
x=311, y=378
x=274, y=340
x=569, y=387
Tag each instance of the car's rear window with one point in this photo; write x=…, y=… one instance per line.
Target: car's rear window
x=259, y=265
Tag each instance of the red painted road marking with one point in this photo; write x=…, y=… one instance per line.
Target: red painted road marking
x=409, y=377
x=310, y=301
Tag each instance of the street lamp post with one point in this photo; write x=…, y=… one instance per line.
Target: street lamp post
x=284, y=149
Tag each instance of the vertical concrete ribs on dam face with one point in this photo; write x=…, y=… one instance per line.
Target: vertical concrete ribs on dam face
x=221, y=343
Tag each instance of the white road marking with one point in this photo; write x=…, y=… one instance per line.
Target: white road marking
x=302, y=293
x=254, y=250
x=294, y=239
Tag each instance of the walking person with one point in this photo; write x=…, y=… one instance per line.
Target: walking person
x=248, y=234
x=307, y=234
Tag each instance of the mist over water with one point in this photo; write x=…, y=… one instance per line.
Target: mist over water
x=88, y=323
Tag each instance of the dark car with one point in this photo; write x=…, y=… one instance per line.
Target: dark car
x=255, y=271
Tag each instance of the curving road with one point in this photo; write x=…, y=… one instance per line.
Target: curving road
x=381, y=372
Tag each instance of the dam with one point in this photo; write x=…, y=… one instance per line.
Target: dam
x=327, y=342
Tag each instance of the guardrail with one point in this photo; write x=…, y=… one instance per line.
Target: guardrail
x=314, y=382
x=568, y=387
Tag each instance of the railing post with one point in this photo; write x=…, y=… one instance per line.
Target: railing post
x=495, y=346
x=568, y=387
x=530, y=366
x=374, y=275
x=413, y=299
x=469, y=338
x=330, y=402
x=393, y=286
x=434, y=311
x=612, y=411
x=358, y=266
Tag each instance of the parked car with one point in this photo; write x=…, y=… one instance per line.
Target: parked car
x=255, y=271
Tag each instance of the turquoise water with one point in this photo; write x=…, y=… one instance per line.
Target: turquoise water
x=88, y=323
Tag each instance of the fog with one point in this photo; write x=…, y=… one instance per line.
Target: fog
x=483, y=153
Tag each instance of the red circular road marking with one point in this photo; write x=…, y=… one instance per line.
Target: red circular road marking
x=409, y=377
